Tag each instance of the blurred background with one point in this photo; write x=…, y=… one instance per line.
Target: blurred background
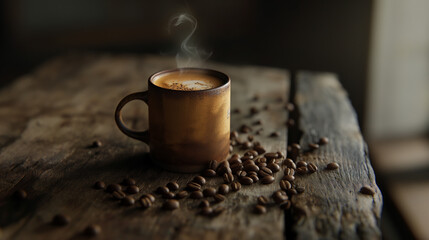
x=378, y=48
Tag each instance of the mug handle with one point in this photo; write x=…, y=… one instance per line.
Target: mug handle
x=142, y=136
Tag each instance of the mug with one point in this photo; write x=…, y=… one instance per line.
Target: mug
x=187, y=129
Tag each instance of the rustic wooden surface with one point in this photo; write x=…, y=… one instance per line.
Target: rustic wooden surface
x=49, y=118
x=331, y=206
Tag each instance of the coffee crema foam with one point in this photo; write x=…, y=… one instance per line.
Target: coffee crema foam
x=187, y=81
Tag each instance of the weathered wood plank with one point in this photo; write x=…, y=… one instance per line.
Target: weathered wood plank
x=48, y=119
x=332, y=207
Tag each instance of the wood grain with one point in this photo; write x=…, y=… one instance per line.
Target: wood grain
x=49, y=118
x=332, y=207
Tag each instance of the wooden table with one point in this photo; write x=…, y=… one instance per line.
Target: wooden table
x=49, y=118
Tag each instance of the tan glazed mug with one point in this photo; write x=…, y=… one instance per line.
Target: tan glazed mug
x=187, y=129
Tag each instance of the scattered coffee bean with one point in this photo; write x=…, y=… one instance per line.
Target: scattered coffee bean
x=259, y=149
x=246, y=145
x=301, y=170
x=113, y=187
x=20, y=194
x=250, y=138
x=312, y=168
x=260, y=209
x=236, y=110
x=245, y=129
x=200, y=180
x=235, y=162
x=96, y=144
x=261, y=160
x=92, y=230
x=128, y=182
x=261, y=165
x=279, y=196
x=254, y=178
x=233, y=135
x=231, y=149
x=290, y=164
x=118, y=195
x=274, y=167
x=246, y=181
x=206, y=211
x=262, y=200
x=259, y=131
x=289, y=178
x=228, y=178
x=235, y=186
x=253, y=110
x=242, y=174
x=60, y=220
x=289, y=171
x=169, y=195
x=171, y=204
x=299, y=189
x=204, y=203
x=196, y=194
x=251, y=167
x=290, y=107
x=127, y=201
x=265, y=172
x=209, y=192
x=181, y=194
x=209, y=173
x=367, y=190
x=223, y=189
x=235, y=168
x=301, y=164
x=295, y=150
x=162, y=190
x=275, y=134
x=252, y=153
x=99, y=185
x=173, y=186
x=291, y=191
x=267, y=179
x=323, y=141
x=280, y=155
x=145, y=202
x=133, y=189
x=285, y=205
x=148, y=196
x=271, y=155
x=213, y=164
x=332, y=166
x=313, y=146
x=290, y=122
x=219, y=197
x=193, y=186
x=217, y=211
x=247, y=160
x=285, y=185
x=223, y=167
x=258, y=122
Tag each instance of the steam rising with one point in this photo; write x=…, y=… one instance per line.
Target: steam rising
x=189, y=55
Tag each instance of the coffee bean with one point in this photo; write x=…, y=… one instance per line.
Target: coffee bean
x=301, y=170
x=128, y=182
x=259, y=209
x=279, y=196
x=313, y=146
x=171, y=204
x=60, y=220
x=274, y=167
x=206, y=211
x=253, y=110
x=217, y=211
x=231, y=149
x=204, y=203
x=99, y=185
x=259, y=131
x=209, y=173
x=228, y=178
x=169, y=195
x=261, y=160
x=20, y=194
x=113, y=187
x=181, y=194
x=289, y=178
x=236, y=167
x=259, y=149
x=290, y=122
x=236, y=110
x=173, y=186
x=332, y=166
x=246, y=145
x=200, y=180
x=275, y=134
x=323, y=141
x=254, y=178
x=261, y=165
x=248, y=160
x=145, y=202
x=301, y=164
x=299, y=189
x=219, y=197
x=223, y=189
x=290, y=107
x=285, y=185
x=92, y=230
x=235, y=186
x=127, y=201
x=246, y=181
x=213, y=164
x=285, y=205
x=193, y=186
x=209, y=192
x=233, y=135
x=267, y=179
x=133, y=189
x=312, y=168
x=251, y=167
x=96, y=144
x=196, y=194
x=148, y=196
x=265, y=172
x=252, y=153
x=245, y=129
x=291, y=191
x=223, y=168
x=290, y=164
x=162, y=190
x=289, y=171
x=250, y=138
x=280, y=155
x=262, y=200
x=271, y=155
x=118, y=195
x=242, y=174
x=295, y=150
x=235, y=162
x=367, y=190
x=258, y=122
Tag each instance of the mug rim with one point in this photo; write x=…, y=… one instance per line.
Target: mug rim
x=220, y=75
